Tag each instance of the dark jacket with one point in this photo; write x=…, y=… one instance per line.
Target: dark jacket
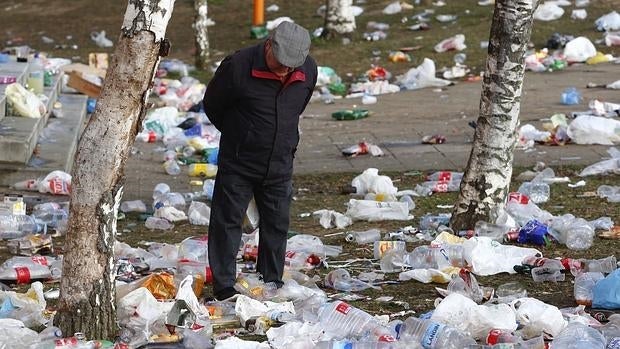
x=257, y=114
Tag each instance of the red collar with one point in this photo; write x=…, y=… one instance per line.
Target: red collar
x=296, y=75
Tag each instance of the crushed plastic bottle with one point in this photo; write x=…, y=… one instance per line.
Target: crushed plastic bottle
x=433, y=335
x=346, y=321
x=16, y=226
x=363, y=237
x=341, y=280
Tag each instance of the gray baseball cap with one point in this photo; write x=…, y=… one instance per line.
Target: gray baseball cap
x=290, y=43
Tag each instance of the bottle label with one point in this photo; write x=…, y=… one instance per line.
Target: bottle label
x=65, y=342
x=59, y=187
x=39, y=260
x=614, y=343
x=493, y=336
x=431, y=335
x=343, y=308
x=23, y=275
x=518, y=198
x=444, y=176
x=441, y=187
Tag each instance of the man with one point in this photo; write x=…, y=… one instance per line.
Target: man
x=255, y=99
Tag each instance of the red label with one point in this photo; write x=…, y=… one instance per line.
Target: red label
x=493, y=337
x=208, y=275
x=343, y=308
x=59, y=187
x=152, y=137
x=518, y=198
x=65, y=342
x=290, y=254
x=445, y=176
x=386, y=338
x=441, y=187
x=39, y=260
x=23, y=275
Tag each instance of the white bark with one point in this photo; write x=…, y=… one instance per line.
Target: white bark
x=202, y=37
x=87, y=293
x=486, y=181
x=340, y=19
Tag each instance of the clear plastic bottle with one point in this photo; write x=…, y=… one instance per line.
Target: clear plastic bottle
x=364, y=237
x=538, y=192
x=207, y=188
x=381, y=247
x=436, y=257
x=604, y=265
x=584, y=286
x=578, y=336
x=347, y=344
x=341, y=280
x=394, y=261
x=347, y=321
x=16, y=226
x=494, y=231
x=50, y=215
x=172, y=167
x=158, y=223
x=550, y=270
x=36, y=76
x=159, y=190
x=442, y=186
x=433, y=335
x=195, y=248
x=431, y=222
x=445, y=176
x=133, y=206
x=579, y=235
x=25, y=274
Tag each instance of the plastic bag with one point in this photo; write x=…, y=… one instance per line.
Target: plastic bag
x=21, y=102
x=372, y=211
x=579, y=50
x=456, y=42
x=143, y=314
x=537, y=317
x=589, y=129
x=393, y=8
x=422, y=76
x=15, y=335
x=332, y=219
x=607, y=292
x=608, y=22
x=370, y=182
x=100, y=39
x=548, y=11
x=610, y=166
x=488, y=257
x=28, y=307
x=199, y=213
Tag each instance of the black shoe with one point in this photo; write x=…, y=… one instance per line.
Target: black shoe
x=228, y=294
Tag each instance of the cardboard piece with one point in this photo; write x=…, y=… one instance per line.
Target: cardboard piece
x=78, y=82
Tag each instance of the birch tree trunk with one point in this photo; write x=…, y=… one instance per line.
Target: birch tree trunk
x=202, y=37
x=339, y=19
x=87, y=294
x=486, y=180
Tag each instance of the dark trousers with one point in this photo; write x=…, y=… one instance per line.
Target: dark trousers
x=231, y=196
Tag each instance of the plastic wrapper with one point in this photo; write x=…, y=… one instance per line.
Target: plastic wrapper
x=610, y=166
x=421, y=76
x=548, y=11
x=21, y=102
x=372, y=211
x=332, y=219
x=199, y=213
x=142, y=316
x=608, y=22
x=589, y=129
x=537, y=317
x=425, y=276
x=488, y=257
x=456, y=42
x=161, y=285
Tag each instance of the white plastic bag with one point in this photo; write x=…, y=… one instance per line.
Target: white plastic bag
x=296, y=335
x=538, y=317
x=579, y=50
x=271, y=25
x=56, y=182
x=608, y=22
x=589, y=129
x=199, y=213
x=170, y=214
x=15, y=335
x=456, y=42
x=548, y=11
x=489, y=257
x=372, y=211
x=21, y=102
x=100, y=39
x=27, y=307
x=371, y=182
x=332, y=219
x=393, y=8
x=238, y=343
x=421, y=76
x=579, y=14
x=141, y=312
x=463, y=313
x=247, y=308
x=610, y=166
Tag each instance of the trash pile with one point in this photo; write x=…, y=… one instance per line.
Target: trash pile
x=160, y=289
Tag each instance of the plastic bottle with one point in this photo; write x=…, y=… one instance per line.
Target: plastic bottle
x=571, y=96
x=364, y=237
x=538, y=192
x=408, y=200
x=202, y=170
x=207, y=188
x=584, y=286
x=36, y=76
x=251, y=286
x=341, y=280
x=347, y=344
x=466, y=284
x=172, y=167
x=394, y=261
x=550, y=270
x=579, y=235
x=381, y=247
x=604, y=265
x=442, y=186
x=158, y=223
x=149, y=136
x=494, y=231
x=301, y=260
x=433, y=335
x=578, y=336
x=24, y=274
x=19, y=261
x=195, y=248
x=445, y=176
x=348, y=321
x=133, y=206
x=170, y=155
x=437, y=257
x=610, y=192
x=16, y=226
x=188, y=151
x=160, y=189
x=50, y=215
x=431, y=222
